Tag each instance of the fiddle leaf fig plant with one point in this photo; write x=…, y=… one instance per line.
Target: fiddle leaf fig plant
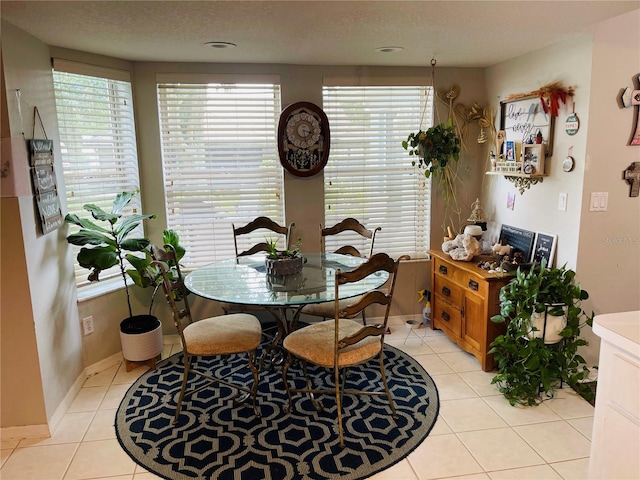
x=527, y=366
x=110, y=243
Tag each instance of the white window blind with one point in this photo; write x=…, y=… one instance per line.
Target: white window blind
x=220, y=163
x=98, y=143
x=369, y=175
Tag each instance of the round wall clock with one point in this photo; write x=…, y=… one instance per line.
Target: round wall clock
x=303, y=139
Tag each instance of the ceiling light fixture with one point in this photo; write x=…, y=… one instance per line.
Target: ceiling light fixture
x=389, y=49
x=221, y=44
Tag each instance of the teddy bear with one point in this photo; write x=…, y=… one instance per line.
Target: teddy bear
x=464, y=247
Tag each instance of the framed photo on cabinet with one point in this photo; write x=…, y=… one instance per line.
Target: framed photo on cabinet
x=544, y=248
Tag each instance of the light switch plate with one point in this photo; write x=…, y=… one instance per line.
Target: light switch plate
x=562, y=202
x=599, y=201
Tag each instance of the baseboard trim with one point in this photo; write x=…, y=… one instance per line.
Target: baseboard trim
x=103, y=364
x=25, y=431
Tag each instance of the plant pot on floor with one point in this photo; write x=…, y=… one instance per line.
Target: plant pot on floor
x=141, y=340
x=554, y=325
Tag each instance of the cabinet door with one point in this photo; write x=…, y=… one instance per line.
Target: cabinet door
x=474, y=321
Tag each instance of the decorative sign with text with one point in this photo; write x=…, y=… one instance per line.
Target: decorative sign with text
x=45, y=186
x=544, y=248
x=525, y=121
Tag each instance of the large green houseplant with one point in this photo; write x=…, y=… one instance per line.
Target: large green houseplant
x=110, y=242
x=529, y=367
x=107, y=240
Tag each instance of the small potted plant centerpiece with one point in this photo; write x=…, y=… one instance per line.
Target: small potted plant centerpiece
x=538, y=351
x=283, y=262
x=110, y=244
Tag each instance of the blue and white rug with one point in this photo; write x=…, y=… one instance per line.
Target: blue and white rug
x=218, y=440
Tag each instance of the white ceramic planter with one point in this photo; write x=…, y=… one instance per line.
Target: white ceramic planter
x=555, y=324
x=139, y=347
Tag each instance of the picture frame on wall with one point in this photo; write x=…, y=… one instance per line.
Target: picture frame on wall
x=533, y=159
x=523, y=118
x=544, y=247
x=510, y=151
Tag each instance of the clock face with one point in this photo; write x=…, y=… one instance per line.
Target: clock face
x=303, y=139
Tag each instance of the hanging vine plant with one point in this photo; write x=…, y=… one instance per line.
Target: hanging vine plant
x=433, y=149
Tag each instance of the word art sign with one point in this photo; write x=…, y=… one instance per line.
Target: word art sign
x=44, y=184
x=524, y=119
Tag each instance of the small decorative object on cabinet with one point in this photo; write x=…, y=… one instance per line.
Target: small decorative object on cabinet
x=465, y=297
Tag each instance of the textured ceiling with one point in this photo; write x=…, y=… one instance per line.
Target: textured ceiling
x=458, y=33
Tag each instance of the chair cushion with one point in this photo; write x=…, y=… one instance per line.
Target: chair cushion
x=315, y=344
x=326, y=309
x=223, y=335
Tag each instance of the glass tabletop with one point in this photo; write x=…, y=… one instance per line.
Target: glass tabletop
x=245, y=281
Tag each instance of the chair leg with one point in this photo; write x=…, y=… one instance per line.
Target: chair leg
x=255, y=371
x=316, y=403
x=285, y=369
x=364, y=319
x=336, y=374
x=386, y=387
x=185, y=376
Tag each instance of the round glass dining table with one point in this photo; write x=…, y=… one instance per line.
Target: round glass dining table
x=244, y=281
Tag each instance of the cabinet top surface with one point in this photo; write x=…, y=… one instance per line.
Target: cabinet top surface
x=472, y=266
x=621, y=329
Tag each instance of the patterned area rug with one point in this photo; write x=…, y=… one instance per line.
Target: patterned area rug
x=217, y=439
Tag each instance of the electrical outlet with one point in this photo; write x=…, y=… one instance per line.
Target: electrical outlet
x=87, y=325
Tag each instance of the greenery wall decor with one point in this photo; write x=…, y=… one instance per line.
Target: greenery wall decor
x=528, y=369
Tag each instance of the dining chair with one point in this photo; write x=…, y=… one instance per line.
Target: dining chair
x=343, y=343
x=245, y=237
x=220, y=336
x=342, y=229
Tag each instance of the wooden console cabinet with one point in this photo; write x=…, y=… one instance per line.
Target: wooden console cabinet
x=464, y=298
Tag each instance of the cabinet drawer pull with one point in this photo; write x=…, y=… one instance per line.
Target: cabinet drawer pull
x=443, y=270
x=445, y=316
x=446, y=292
x=473, y=285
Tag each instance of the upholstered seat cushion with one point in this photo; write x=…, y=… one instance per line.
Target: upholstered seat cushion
x=315, y=344
x=327, y=309
x=223, y=335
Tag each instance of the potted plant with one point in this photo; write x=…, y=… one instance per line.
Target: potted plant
x=433, y=148
x=530, y=363
x=437, y=151
x=109, y=244
x=283, y=262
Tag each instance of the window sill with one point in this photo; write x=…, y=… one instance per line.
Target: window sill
x=103, y=287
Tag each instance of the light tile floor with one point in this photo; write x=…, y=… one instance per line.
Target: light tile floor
x=478, y=435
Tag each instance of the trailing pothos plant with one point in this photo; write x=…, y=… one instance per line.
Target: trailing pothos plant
x=436, y=151
x=527, y=367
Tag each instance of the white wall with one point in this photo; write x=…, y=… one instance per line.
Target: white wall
x=601, y=246
x=537, y=208
x=48, y=306
x=608, y=258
